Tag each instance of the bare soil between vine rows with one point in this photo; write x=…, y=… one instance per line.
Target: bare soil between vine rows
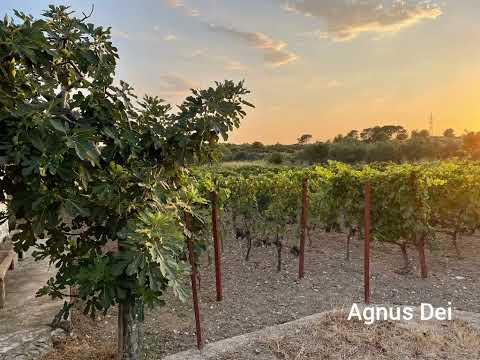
x=256, y=295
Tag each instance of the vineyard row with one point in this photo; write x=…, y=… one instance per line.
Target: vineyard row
x=407, y=205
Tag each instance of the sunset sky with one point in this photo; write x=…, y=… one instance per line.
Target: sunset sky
x=314, y=66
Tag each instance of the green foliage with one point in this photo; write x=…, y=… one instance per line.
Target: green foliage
x=314, y=153
x=380, y=143
x=455, y=195
x=471, y=144
x=348, y=152
x=276, y=158
x=383, y=151
x=304, y=139
x=87, y=163
x=450, y=133
x=410, y=202
x=382, y=133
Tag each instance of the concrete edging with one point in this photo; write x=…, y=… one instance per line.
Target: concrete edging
x=213, y=350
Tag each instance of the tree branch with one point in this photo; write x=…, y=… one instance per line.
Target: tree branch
x=85, y=16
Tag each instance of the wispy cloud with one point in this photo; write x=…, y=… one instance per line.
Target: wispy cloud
x=334, y=84
x=169, y=37
x=120, y=34
x=175, y=85
x=275, y=52
x=346, y=19
x=196, y=53
x=183, y=7
x=234, y=65
x=205, y=55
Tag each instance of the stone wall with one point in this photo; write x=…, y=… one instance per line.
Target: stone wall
x=3, y=227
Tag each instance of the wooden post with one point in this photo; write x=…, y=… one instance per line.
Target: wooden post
x=366, y=256
x=303, y=228
x=196, y=307
x=217, y=246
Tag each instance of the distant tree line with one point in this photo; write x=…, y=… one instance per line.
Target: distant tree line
x=380, y=143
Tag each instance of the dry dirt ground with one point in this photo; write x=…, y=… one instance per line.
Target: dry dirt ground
x=256, y=295
x=330, y=336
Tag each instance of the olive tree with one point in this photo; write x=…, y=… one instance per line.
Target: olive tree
x=86, y=163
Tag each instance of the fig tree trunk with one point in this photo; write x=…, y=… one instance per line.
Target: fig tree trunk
x=130, y=331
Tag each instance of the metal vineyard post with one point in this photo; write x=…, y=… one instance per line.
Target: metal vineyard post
x=366, y=257
x=196, y=307
x=217, y=246
x=303, y=228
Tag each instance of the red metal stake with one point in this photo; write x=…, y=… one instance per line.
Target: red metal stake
x=196, y=307
x=303, y=228
x=366, y=257
x=217, y=246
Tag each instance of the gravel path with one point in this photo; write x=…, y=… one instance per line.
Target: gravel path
x=24, y=330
